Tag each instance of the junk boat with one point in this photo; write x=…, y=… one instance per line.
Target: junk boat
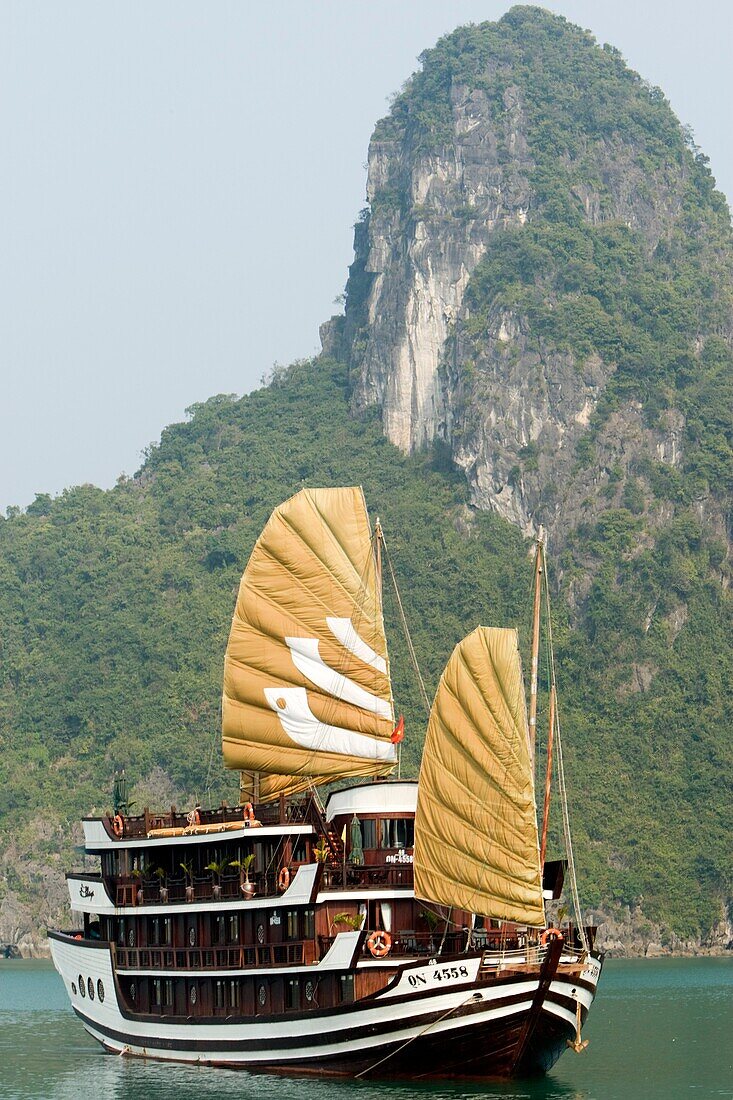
x=394, y=929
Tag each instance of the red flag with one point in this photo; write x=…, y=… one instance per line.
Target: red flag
x=398, y=733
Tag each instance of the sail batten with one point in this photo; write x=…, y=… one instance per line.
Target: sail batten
x=476, y=844
x=307, y=696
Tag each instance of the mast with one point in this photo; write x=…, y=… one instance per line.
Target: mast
x=538, y=572
x=548, y=774
x=378, y=538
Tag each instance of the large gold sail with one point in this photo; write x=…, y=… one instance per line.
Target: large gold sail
x=307, y=695
x=476, y=826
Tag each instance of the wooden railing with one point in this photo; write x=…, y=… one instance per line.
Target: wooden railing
x=209, y=958
x=354, y=878
x=137, y=826
x=129, y=890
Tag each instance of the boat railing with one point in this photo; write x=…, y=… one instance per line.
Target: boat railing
x=137, y=826
x=336, y=876
x=233, y=957
x=131, y=890
x=407, y=944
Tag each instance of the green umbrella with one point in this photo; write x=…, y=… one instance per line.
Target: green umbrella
x=357, y=842
x=119, y=793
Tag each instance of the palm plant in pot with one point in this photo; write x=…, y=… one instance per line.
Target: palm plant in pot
x=163, y=888
x=187, y=868
x=217, y=868
x=248, y=888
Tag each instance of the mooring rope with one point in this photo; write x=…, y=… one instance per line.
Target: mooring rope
x=414, y=1037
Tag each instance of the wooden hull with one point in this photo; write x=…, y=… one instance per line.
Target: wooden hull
x=478, y=1029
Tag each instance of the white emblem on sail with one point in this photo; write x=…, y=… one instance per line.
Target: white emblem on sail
x=292, y=707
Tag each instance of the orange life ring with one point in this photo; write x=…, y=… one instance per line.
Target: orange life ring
x=379, y=943
x=249, y=812
x=551, y=934
x=283, y=879
x=118, y=825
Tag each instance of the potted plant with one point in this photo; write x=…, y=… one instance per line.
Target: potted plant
x=351, y=920
x=187, y=869
x=163, y=888
x=248, y=888
x=321, y=852
x=217, y=869
x=137, y=874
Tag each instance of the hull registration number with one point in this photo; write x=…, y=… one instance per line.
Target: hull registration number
x=437, y=975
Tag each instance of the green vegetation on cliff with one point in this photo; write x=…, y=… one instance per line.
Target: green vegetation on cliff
x=116, y=606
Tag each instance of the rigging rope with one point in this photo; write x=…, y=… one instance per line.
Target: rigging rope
x=406, y=630
x=562, y=789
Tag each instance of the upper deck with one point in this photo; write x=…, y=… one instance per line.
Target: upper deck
x=362, y=839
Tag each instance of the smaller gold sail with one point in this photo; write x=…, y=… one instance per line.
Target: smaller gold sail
x=476, y=844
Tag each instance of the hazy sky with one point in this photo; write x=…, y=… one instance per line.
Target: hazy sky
x=178, y=183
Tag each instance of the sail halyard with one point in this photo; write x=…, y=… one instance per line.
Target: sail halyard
x=307, y=694
x=476, y=838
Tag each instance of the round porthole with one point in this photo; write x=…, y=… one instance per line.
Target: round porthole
x=193, y=995
x=133, y=991
x=192, y=936
x=82, y=987
x=90, y=989
x=260, y=933
x=262, y=994
x=100, y=991
x=73, y=988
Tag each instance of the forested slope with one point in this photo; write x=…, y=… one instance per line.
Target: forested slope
x=116, y=606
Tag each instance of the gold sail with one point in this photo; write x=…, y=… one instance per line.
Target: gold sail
x=476, y=826
x=307, y=694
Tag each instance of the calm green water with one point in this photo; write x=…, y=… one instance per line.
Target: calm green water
x=660, y=1030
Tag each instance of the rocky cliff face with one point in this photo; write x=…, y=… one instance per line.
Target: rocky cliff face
x=523, y=125
x=432, y=215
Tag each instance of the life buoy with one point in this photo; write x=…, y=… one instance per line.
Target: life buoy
x=249, y=812
x=379, y=943
x=118, y=825
x=551, y=934
x=283, y=879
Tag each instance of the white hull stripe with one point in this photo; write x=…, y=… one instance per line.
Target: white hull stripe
x=210, y=1050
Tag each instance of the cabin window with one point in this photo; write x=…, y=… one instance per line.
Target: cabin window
x=220, y=998
x=300, y=851
x=369, y=834
x=233, y=994
x=292, y=932
x=220, y=929
x=346, y=988
x=155, y=992
x=397, y=832
x=121, y=932
x=234, y=929
x=309, y=924
x=168, y=992
x=155, y=931
x=166, y=931
x=292, y=994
